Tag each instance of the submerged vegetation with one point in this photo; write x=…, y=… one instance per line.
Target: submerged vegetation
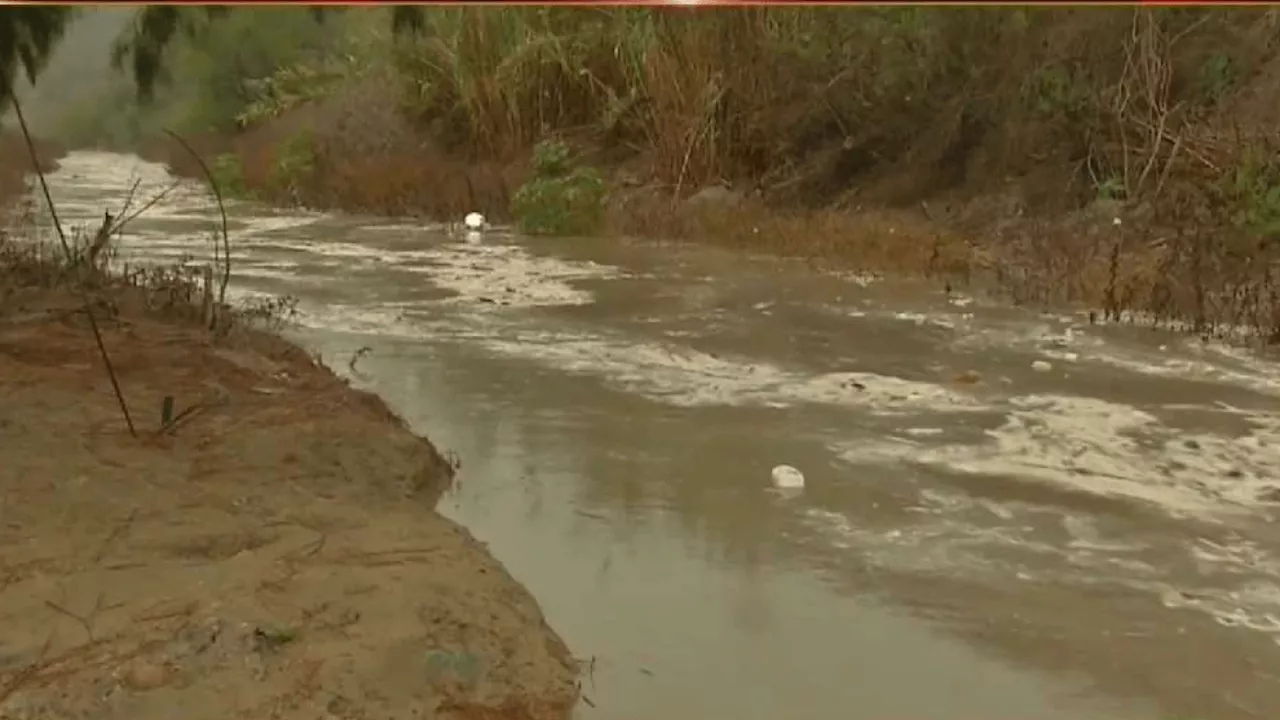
x=1119, y=157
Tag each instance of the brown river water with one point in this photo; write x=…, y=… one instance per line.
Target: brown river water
x=1095, y=540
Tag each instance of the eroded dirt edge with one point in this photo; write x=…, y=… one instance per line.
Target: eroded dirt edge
x=275, y=556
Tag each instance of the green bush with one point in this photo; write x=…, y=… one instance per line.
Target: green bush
x=560, y=199
x=1254, y=190
x=295, y=163
x=228, y=173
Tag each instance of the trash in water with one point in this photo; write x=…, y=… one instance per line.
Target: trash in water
x=474, y=221
x=785, y=476
x=1041, y=366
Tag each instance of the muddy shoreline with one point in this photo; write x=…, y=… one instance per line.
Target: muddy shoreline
x=275, y=553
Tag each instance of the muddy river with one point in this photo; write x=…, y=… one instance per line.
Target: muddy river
x=1095, y=539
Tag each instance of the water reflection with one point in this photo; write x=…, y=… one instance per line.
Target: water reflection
x=667, y=517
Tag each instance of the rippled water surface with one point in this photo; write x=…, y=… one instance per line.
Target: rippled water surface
x=1095, y=540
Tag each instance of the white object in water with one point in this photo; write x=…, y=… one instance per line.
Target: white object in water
x=1041, y=366
x=474, y=221
x=785, y=476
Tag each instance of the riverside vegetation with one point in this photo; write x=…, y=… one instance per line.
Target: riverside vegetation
x=1118, y=158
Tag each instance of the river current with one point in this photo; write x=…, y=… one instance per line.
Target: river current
x=1087, y=531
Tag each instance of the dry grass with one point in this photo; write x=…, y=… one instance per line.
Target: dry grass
x=1010, y=129
x=885, y=241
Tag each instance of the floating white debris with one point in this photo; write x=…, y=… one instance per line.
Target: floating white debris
x=474, y=221
x=924, y=432
x=785, y=476
x=1041, y=366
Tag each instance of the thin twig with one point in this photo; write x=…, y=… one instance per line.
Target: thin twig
x=222, y=210
x=119, y=530
x=355, y=357
x=86, y=622
x=190, y=413
x=66, y=250
x=124, y=219
x=128, y=200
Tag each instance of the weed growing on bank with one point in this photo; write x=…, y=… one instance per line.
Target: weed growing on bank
x=185, y=291
x=228, y=172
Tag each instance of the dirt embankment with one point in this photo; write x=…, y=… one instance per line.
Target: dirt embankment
x=272, y=554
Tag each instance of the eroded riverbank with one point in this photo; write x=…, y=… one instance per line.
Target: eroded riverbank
x=1035, y=544
x=275, y=554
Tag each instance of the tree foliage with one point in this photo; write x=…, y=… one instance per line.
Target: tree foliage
x=28, y=35
x=144, y=45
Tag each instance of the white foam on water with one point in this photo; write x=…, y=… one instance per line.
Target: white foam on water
x=1107, y=449
x=684, y=377
x=1252, y=373
x=949, y=545
x=941, y=546
x=671, y=374
x=384, y=321
x=1251, y=606
x=266, y=273
x=1085, y=535
x=878, y=450
x=510, y=275
x=1216, y=362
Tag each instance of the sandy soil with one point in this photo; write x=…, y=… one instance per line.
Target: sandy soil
x=275, y=555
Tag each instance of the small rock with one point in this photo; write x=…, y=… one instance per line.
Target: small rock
x=715, y=196
x=143, y=676
x=1041, y=366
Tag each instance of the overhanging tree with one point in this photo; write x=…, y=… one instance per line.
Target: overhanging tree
x=28, y=36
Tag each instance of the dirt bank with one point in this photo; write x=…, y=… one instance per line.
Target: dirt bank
x=274, y=555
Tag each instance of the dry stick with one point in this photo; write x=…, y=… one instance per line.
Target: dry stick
x=66, y=250
x=222, y=210
x=122, y=220
x=84, y=621
x=128, y=200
